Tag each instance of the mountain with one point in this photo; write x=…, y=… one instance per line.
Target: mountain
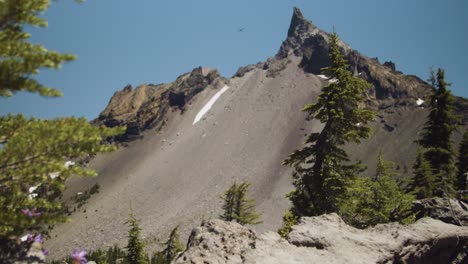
x=189, y=140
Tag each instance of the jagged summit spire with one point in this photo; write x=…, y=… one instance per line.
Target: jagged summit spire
x=298, y=23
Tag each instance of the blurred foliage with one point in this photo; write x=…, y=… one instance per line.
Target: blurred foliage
x=34, y=152
x=376, y=200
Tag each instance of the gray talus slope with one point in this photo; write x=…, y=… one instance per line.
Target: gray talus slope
x=175, y=175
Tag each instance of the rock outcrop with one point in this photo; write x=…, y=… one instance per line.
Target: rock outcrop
x=310, y=43
x=145, y=106
x=219, y=242
x=327, y=239
x=444, y=209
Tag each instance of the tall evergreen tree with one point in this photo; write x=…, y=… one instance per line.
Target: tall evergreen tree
x=462, y=172
x=34, y=153
x=436, y=136
x=322, y=168
x=238, y=207
x=422, y=184
x=135, y=246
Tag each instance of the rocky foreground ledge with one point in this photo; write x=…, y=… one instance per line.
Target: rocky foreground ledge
x=328, y=239
x=440, y=238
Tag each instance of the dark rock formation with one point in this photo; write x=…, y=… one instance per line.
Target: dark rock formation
x=145, y=106
x=309, y=42
x=327, y=239
x=444, y=209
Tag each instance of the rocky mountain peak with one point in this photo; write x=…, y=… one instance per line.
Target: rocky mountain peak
x=299, y=25
x=311, y=44
x=145, y=106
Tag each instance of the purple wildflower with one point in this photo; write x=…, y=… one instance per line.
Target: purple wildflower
x=38, y=239
x=45, y=252
x=31, y=213
x=79, y=257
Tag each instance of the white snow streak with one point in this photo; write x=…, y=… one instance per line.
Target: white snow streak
x=323, y=76
x=419, y=101
x=210, y=103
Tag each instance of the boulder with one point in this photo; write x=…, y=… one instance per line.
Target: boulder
x=444, y=209
x=217, y=241
x=328, y=239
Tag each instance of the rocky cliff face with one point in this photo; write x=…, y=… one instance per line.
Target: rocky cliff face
x=310, y=43
x=327, y=239
x=145, y=106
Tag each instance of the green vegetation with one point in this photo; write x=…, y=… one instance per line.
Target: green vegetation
x=172, y=246
x=322, y=169
x=436, y=136
x=422, y=184
x=237, y=207
x=289, y=220
x=113, y=255
x=371, y=201
x=135, y=247
x=21, y=59
x=34, y=152
x=462, y=172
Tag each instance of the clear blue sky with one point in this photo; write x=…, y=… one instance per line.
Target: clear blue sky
x=120, y=42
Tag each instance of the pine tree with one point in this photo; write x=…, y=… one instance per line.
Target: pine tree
x=135, y=246
x=229, y=199
x=422, y=184
x=20, y=59
x=34, y=153
x=172, y=246
x=237, y=207
x=436, y=136
x=462, y=172
x=376, y=200
x=322, y=168
x=244, y=208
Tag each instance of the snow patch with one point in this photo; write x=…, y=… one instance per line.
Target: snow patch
x=323, y=76
x=210, y=103
x=419, y=101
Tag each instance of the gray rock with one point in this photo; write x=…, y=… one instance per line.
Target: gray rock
x=217, y=241
x=327, y=239
x=445, y=209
